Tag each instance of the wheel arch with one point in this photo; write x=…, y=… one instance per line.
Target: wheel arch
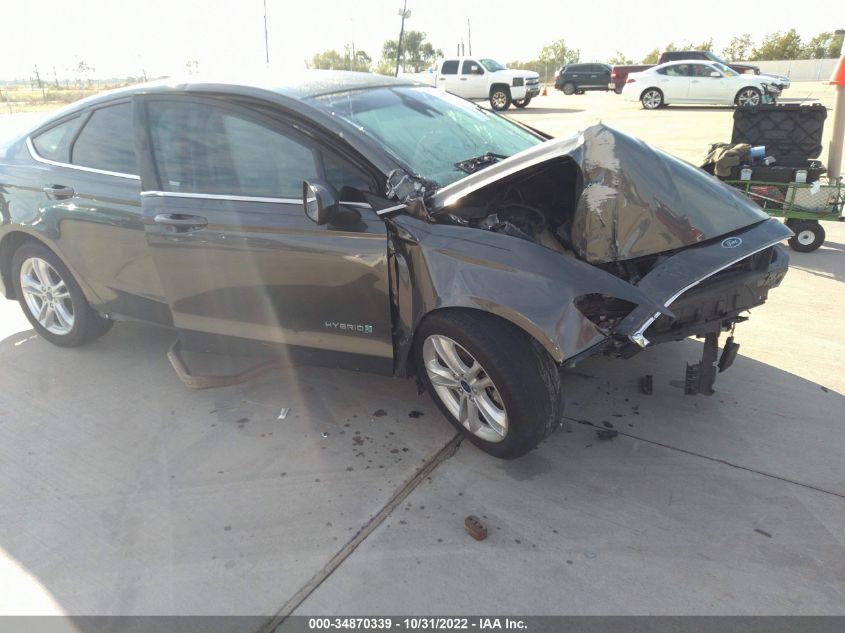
x=498, y=84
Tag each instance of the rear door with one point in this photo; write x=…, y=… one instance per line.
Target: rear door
x=237, y=257
x=448, y=78
x=674, y=82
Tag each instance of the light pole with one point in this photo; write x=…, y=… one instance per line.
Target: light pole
x=266, y=43
x=405, y=15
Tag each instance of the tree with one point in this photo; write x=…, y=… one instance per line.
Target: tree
x=739, y=48
x=706, y=45
x=328, y=60
x=620, y=59
x=652, y=57
x=359, y=62
x=559, y=54
x=417, y=54
x=779, y=45
x=823, y=46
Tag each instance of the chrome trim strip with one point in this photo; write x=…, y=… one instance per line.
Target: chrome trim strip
x=390, y=209
x=638, y=336
x=34, y=154
x=216, y=196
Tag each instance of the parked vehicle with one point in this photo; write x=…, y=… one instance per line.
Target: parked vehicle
x=481, y=78
x=576, y=78
x=697, y=82
x=619, y=74
x=373, y=223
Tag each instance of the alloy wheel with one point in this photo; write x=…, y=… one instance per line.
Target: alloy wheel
x=748, y=97
x=499, y=99
x=465, y=388
x=47, y=296
x=652, y=99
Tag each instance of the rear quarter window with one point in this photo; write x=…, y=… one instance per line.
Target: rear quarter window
x=54, y=143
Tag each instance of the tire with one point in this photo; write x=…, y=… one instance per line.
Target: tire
x=68, y=320
x=568, y=88
x=748, y=96
x=524, y=384
x=522, y=103
x=500, y=98
x=809, y=235
x=618, y=91
x=651, y=98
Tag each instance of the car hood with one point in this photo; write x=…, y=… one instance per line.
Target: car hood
x=635, y=200
x=510, y=73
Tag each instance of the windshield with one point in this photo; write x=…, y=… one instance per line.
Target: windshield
x=428, y=130
x=492, y=65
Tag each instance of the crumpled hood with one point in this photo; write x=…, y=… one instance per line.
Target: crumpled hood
x=635, y=201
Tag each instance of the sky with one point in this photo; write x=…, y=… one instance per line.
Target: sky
x=156, y=37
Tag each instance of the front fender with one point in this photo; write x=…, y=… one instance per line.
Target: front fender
x=440, y=266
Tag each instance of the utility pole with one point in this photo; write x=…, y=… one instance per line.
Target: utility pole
x=266, y=42
x=469, y=37
x=405, y=15
x=40, y=85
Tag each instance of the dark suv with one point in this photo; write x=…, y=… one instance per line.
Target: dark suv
x=576, y=78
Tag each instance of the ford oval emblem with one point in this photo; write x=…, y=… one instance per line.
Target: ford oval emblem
x=731, y=242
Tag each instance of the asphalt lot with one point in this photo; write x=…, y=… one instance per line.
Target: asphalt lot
x=124, y=492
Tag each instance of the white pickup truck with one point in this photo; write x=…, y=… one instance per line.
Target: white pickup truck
x=482, y=78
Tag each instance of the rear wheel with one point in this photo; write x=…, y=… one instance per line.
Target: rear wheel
x=748, y=97
x=522, y=103
x=52, y=300
x=651, y=99
x=568, y=88
x=809, y=235
x=618, y=91
x=492, y=381
x=500, y=98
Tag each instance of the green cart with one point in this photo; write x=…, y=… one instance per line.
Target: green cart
x=803, y=205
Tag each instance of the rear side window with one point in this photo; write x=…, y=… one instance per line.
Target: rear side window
x=450, y=67
x=201, y=148
x=107, y=141
x=54, y=144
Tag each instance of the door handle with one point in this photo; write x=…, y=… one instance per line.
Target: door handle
x=181, y=221
x=463, y=78
x=58, y=192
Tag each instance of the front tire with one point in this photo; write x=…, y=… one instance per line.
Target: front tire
x=52, y=300
x=748, y=97
x=809, y=235
x=522, y=103
x=651, y=99
x=491, y=380
x=500, y=98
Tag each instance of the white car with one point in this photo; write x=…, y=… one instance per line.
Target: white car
x=697, y=81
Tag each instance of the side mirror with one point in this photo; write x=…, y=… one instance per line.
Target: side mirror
x=319, y=201
x=715, y=73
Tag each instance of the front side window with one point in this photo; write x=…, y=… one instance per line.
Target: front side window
x=54, y=144
x=427, y=130
x=107, y=141
x=471, y=68
x=701, y=70
x=203, y=148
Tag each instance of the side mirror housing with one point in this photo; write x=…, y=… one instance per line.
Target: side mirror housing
x=319, y=201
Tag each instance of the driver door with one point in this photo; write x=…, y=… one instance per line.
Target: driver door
x=472, y=84
x=236, y=255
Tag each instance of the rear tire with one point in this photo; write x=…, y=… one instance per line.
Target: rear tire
x=809, y=235
x=52, y=300
x=497, y=385
x=568, y=88
x=618, y=91
x=651, y=98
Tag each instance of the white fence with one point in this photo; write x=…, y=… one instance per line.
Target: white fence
x=799, y=69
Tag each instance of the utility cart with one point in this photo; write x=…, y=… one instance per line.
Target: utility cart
x=787, y=181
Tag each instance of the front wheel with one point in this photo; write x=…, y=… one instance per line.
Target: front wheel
x=809, y=235
x=522, y=103
x=492, y=381
x=651, y=99
x=52, y=300
x=748, y=97
x=500, y=98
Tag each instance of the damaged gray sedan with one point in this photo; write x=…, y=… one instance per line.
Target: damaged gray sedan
x=375, y=224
